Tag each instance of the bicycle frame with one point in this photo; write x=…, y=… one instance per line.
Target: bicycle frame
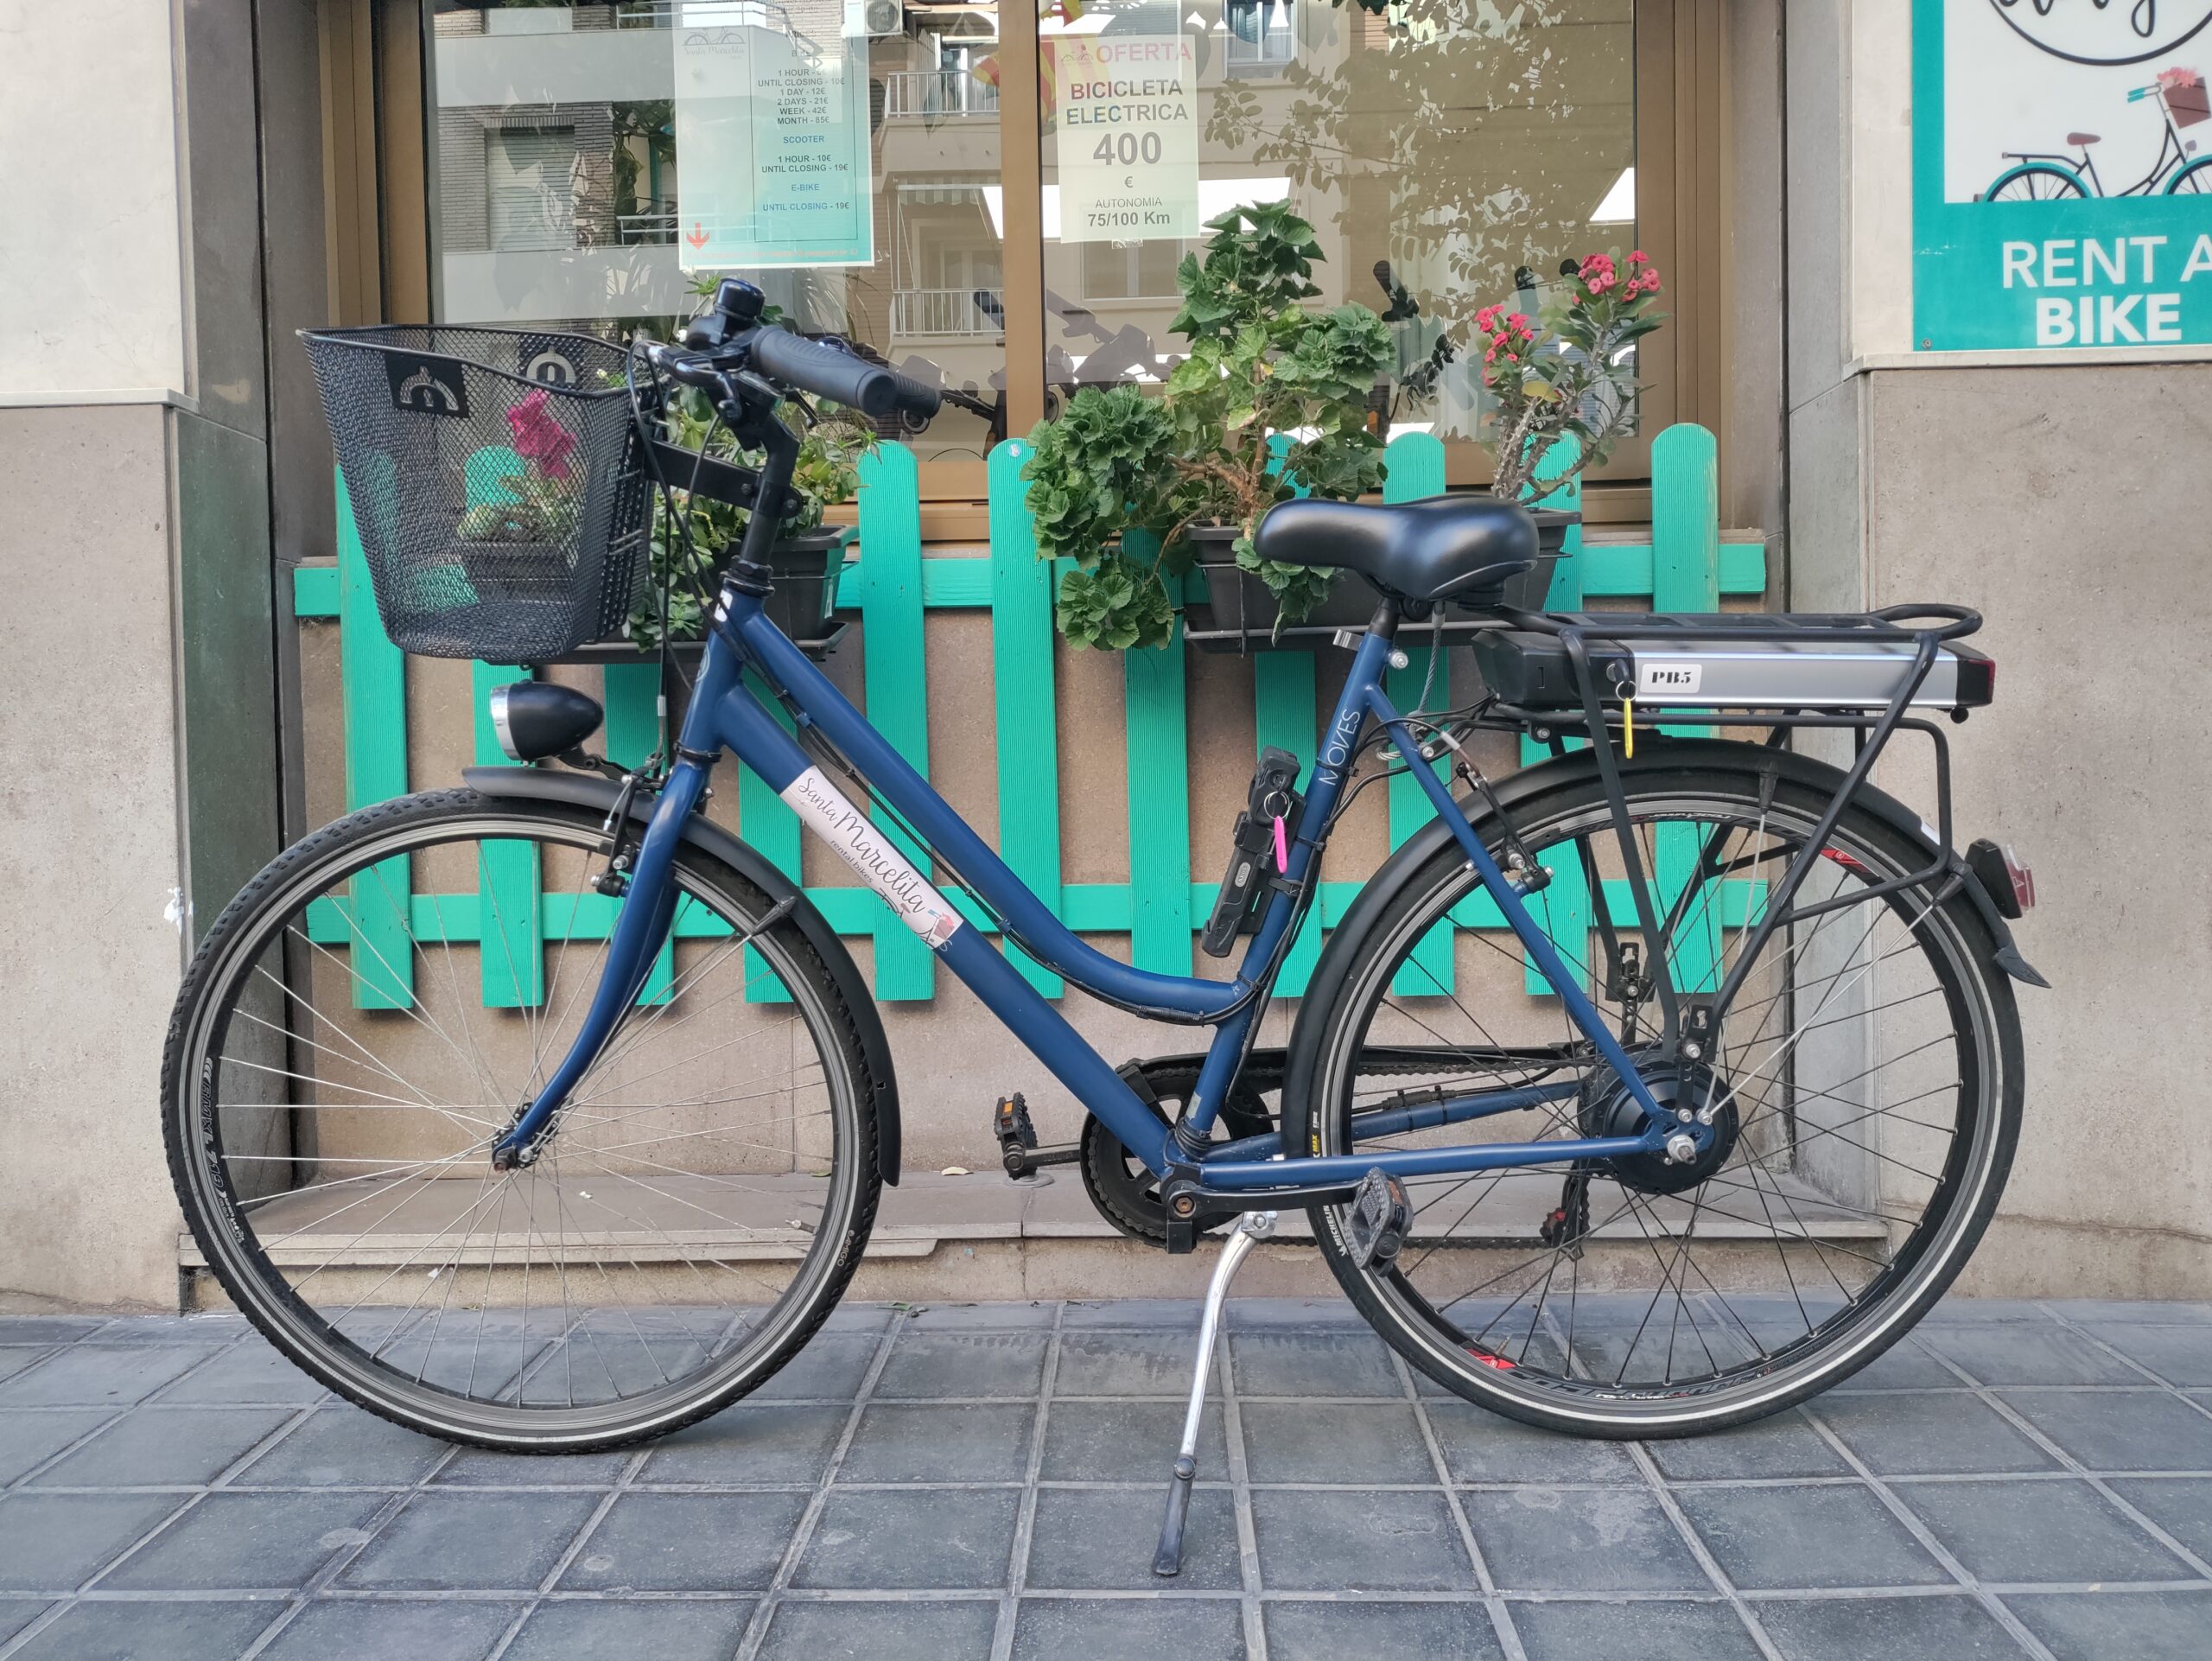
x=724, y=713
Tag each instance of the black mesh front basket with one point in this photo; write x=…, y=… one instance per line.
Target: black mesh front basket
x=496, y=484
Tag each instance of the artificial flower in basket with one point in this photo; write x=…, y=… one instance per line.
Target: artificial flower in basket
x=542, y=503
x=1566, y=372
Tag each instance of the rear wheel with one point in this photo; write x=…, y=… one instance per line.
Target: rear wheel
x=1867, y=1083
x=364, y=1022
x=2036, y=181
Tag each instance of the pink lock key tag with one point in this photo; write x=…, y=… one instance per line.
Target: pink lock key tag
x=1282, y=846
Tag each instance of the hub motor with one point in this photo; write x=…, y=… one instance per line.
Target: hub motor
x=1681, y=1088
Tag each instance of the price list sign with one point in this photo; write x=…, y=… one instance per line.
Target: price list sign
x=771, y=135
x=1128, y=137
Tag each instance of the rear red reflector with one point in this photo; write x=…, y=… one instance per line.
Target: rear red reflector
x=2010, y=885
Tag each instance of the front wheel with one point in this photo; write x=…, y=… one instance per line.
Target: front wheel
x=1867, y=1082
x=366, y=1021
x=2195, y=179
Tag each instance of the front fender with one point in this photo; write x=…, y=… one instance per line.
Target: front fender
x=598, y=795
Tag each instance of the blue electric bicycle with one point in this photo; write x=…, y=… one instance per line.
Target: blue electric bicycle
x=545, y=1114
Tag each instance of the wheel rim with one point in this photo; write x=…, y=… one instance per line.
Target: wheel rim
x=1808, y=1249
x=676, y=1233
x=2195, y=179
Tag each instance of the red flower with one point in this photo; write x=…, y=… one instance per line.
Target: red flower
x=540, y=439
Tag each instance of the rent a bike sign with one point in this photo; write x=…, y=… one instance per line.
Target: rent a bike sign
x=2062, y=173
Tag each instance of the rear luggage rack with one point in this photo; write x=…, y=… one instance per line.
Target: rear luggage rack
x=1604, y=673
x=1739, y=661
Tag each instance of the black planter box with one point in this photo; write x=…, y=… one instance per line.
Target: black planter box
x=804, y=596
x=1238, y=613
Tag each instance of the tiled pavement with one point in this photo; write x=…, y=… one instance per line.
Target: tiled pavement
x=986, y=1481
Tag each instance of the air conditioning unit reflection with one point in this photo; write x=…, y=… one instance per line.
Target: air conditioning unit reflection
x=874, y=17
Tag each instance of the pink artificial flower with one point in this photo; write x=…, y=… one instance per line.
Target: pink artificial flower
x=1519, y=320
x=1639, y=258
x=540, y=439
x=1486, y=319
x=2176, y=78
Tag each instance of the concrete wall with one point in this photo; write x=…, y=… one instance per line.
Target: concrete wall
x=2054, y=501
x=136, y=650
x=2067, y=500
x=91, y=864
x=92, y=267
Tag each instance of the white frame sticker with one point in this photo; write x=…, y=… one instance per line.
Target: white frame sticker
x=860, y=842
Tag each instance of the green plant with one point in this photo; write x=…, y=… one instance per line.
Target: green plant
x=1567, y=372
x=828, y=471
x=1270, y=394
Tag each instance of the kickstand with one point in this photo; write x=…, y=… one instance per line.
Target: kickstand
x=1255, y=1227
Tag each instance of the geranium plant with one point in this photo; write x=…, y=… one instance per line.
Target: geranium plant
x=1271, y=393
x=1567, y=372
x=542, y=499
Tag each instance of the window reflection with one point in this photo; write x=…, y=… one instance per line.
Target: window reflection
x=1450, y=153
x=557, y=192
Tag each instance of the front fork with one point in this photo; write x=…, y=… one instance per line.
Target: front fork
x=640, y=926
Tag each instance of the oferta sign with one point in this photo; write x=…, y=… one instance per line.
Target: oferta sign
x=1128, y=135
x=2062, y=175
x=772, y=130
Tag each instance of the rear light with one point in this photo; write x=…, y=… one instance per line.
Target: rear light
x=2010, y=884
x=1977, y=680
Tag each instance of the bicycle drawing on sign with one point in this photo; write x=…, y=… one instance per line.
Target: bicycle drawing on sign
x=2181, y=97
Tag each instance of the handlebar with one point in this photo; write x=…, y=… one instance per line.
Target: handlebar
x=792, y=362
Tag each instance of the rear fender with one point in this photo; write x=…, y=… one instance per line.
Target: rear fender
x=599, y=796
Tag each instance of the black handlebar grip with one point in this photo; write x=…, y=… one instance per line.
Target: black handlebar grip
x=830, y=371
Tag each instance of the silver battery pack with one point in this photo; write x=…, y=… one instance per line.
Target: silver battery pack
x=1771, y=674
x=1787, y=664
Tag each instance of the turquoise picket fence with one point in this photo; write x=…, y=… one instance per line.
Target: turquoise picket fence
x=1684, y=567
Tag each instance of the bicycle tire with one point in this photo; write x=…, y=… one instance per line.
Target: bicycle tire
x=255, y=925
x=1431, y=1330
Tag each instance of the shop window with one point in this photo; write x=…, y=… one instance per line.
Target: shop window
x=556, y=194
x=1449, y=155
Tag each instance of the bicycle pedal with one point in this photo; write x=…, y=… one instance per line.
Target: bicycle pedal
x=1011, y=1124
x=1380, y=1218
x=1017, y=1149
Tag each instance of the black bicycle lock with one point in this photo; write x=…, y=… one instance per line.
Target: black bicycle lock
x=1251, y=856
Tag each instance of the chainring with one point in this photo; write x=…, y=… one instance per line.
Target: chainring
x=1127, y=1195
